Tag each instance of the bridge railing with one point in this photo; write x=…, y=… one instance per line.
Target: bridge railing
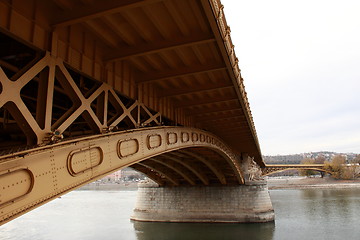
x=218, y=11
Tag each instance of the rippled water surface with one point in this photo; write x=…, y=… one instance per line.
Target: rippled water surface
x=82, y=215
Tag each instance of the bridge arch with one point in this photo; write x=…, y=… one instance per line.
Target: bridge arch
x=172, y=156
x=189, y=166
x=270, y=170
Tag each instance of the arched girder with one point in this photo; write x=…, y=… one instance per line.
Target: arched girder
x=153, y=175
x=161, y=171
x=235, y=165
x=56, y=169
x=200, y=174
x=205, y=161
x=184, y=156
x=268, y=172
x=175, y=169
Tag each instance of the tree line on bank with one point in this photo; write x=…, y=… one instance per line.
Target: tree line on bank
x=338, y=167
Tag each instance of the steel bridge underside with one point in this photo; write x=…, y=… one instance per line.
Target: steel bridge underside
x=71, y=68
x=88, y=87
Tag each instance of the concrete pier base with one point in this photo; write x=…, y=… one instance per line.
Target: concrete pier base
x=233, y=204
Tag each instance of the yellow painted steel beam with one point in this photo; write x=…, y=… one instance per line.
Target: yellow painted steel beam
x=163, y=45
x=196, y=90
x=195, y=170
x=174, y=168
x=273, y=168
x=104, y=9
x=40, y=129
x=180, y=72
x=31, y=178
x=166, y=45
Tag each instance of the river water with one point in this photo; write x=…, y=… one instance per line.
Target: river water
x=93, y=215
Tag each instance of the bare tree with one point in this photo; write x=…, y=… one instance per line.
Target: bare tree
x=336, y=166
x=320, y=159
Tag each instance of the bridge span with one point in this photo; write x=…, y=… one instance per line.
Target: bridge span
x=273, y=168
x=170, y=156
x=89, y=87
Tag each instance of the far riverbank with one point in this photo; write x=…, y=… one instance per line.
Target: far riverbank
x=273, y=183
x=110, y=186
x=310, y=182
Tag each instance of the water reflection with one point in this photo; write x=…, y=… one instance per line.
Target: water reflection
x=92, y=215
x=316, y=214
x=181, y=231
x=329, y=203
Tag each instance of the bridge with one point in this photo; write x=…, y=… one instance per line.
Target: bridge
x=89, y=87
x=273, y=168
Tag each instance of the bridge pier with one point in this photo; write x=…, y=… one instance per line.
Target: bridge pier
x=234, y=204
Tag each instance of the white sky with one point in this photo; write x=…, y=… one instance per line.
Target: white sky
x=300, y=61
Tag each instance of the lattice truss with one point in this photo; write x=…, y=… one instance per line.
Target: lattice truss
x=46, y=101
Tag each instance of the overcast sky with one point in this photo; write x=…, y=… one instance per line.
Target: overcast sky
x=300, y=61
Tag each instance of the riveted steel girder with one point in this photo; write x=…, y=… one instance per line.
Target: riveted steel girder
x=33, y=177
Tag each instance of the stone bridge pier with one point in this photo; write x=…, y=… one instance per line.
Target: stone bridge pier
x=249, y=202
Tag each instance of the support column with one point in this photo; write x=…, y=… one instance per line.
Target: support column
x=243, y=203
